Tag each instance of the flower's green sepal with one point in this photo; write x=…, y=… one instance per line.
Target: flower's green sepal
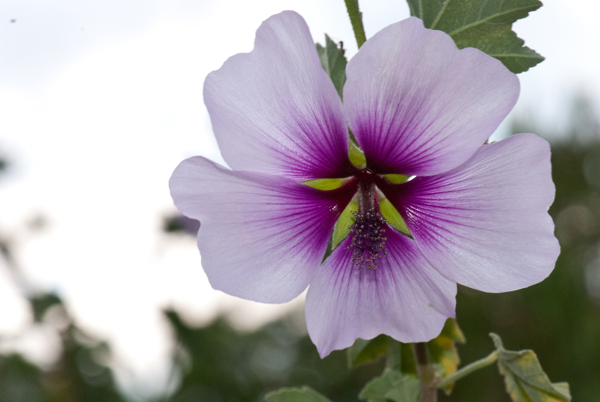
x=356, y=155
x=342, y=226
x=393, y=217
x=326, y=184
x=397, y=178
x=341, y=230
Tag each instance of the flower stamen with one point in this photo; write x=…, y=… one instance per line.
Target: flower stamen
x=368, y=240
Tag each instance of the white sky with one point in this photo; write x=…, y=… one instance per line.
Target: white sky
x=100, y=100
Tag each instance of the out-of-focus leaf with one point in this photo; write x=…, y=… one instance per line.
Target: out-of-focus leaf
x=482, y=24
x=304, y=394
x=442, y=350
x=365, y=351
x=392, y=386
x=525, y=379
x=333, y=62
x=42, y=302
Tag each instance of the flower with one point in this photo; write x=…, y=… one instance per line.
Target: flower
x=432, y=206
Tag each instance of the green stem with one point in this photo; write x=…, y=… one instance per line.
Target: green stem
x=356, y=21
x=425, y=371
x=468, y=369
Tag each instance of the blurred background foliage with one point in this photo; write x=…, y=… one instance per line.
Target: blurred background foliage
x=559, y=318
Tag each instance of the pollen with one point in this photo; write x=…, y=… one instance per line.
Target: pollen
x=368, y=239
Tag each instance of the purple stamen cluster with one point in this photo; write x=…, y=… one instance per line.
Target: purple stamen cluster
x=367, y=239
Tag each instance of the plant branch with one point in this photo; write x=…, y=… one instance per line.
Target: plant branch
x=425, y=371
x=356, y=21
x=468, y=369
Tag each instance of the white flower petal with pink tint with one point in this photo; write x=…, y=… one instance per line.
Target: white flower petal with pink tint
x=418, y=105
x=485, y=224
x=262, y=237
x=405, y=298
x=275, y=110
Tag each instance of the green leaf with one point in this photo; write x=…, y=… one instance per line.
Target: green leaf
x=304, y=394
x=333, y=62
x=482, y=24
x=524, y=377
x=365, y=351
x=392, y=386
x=443, y=353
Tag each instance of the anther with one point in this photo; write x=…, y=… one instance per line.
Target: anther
x=367, y=239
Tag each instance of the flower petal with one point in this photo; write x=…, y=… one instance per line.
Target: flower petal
x=418, y=105
x=485, y=224
x=274, y=110
x=404, y=298
x=262, y=237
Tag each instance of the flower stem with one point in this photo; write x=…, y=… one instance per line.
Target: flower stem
x=425, y=371
x=356, y=21
x=468, y=369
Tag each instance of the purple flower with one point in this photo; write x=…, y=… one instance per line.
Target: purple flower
x=471, y=214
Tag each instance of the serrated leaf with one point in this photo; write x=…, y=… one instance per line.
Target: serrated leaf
x=304, y=394
x=482, y=24
x=524, y=377
x=333, y=62
x=443, y=353
x=365, y=351
x=392, y=386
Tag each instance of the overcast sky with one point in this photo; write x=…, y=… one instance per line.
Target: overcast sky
x=99, y=101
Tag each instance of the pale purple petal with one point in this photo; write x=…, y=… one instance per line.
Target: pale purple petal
x=262, y=237
x=404, y=298
x=418, y=105
x=274, y=110
x=485, y=224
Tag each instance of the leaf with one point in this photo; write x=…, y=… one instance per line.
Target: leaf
x=524, y=377
x=365, y=351
x=304, y=394
x=333, y=62
x=443, y=353
x=392, y=386
x=482, y=24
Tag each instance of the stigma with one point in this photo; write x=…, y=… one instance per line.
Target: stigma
x=368, y=239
